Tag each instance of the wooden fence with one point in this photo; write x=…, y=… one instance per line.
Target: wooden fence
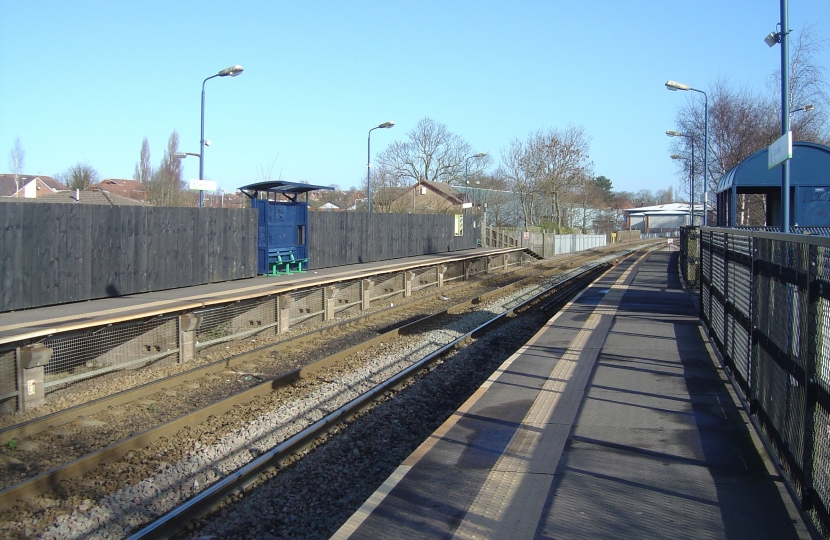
x=341, y=238
x=58, y=253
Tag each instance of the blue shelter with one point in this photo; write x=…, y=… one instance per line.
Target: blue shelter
x=809, y=187
x=282, y=237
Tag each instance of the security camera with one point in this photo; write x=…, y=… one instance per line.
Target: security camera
x=207, y=142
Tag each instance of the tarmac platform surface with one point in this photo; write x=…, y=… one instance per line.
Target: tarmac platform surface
x=614, y=421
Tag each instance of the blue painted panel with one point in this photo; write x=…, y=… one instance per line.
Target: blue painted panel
x=278, y=229
x=812, y=206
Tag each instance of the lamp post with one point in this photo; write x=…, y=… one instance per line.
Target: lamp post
x=782, y=37
x=385, y=125
x=691, y=174
x=232, y=71
x=466, y=164
x=674, y=86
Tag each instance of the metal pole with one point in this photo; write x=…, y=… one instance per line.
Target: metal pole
x=785, y=115
x=692, y=187
x=202, y=143
x=705, y=156
x=368, y=172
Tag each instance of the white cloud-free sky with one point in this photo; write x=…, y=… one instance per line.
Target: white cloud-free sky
x=88, y=80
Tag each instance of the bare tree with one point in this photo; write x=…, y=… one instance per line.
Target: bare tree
x=166, y=187
x=561, y=164
x=16, y=158
x=519, y=171
x=808, y=86
x=430, y=152
x=740, y=123
x=79, y=176
x=144, y=168
x=267, y=174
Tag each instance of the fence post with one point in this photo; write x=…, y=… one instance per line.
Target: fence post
x=408, y=278
x=284, y=303
x=366, y=294
x=188, y=324
x=330, y=292
x=440, y=269
x=31, y=361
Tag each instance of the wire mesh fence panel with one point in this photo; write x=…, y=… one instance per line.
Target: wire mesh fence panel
x=477, y=266
x=8, y=380
x=308, y=305
x=424, y=278
x=347, y=298
x=387, y=288
x=455, y=270
x=237, y=320
x=125, y=346
x=821, y=470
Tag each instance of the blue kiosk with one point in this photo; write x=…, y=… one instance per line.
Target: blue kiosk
x=809, y=187
x=282, y=237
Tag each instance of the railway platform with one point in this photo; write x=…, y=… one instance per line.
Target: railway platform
x=18, y=326
x=615, y=420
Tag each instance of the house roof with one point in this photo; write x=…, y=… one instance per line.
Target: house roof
x=7, y=183
x=90, y=196
x=445, y=190
x=119, y=186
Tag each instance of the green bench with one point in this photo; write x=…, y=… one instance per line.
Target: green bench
x=282, y=261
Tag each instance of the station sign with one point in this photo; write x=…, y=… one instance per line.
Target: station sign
x=780, y=151
x=203, y=185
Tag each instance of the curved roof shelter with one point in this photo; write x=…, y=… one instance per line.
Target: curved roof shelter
x=809, y=186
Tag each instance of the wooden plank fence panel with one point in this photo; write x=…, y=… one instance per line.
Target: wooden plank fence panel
x=57, y=253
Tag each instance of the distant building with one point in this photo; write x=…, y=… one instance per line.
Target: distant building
x=660, y=218
x=330, y=206
x=429, y=197
x=132, y=189
x=28, y=186
x=89, y=196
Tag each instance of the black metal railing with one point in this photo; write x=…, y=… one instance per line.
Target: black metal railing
x=765, y=299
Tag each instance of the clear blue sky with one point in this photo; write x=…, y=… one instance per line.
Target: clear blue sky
x=88, y=80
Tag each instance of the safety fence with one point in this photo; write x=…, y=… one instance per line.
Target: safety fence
x=546, y=245
x=176, y=338
x=765, y=299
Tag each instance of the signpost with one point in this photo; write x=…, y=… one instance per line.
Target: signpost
x=780, y=151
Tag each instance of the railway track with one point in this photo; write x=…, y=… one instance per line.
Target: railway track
x=125, y=448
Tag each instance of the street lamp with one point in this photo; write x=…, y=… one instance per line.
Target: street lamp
x=385, y=125
x=674, y=86
x=466, y=163
x=691, y=175
x=232, y=71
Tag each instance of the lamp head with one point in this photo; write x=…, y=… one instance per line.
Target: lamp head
x=808, y=108
x=232, y=71
x=386, y=125
x=480, y=154
x=772, y=39
x=180, y=155
x=674, y=133
x=675, y=156
x=674, y=86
